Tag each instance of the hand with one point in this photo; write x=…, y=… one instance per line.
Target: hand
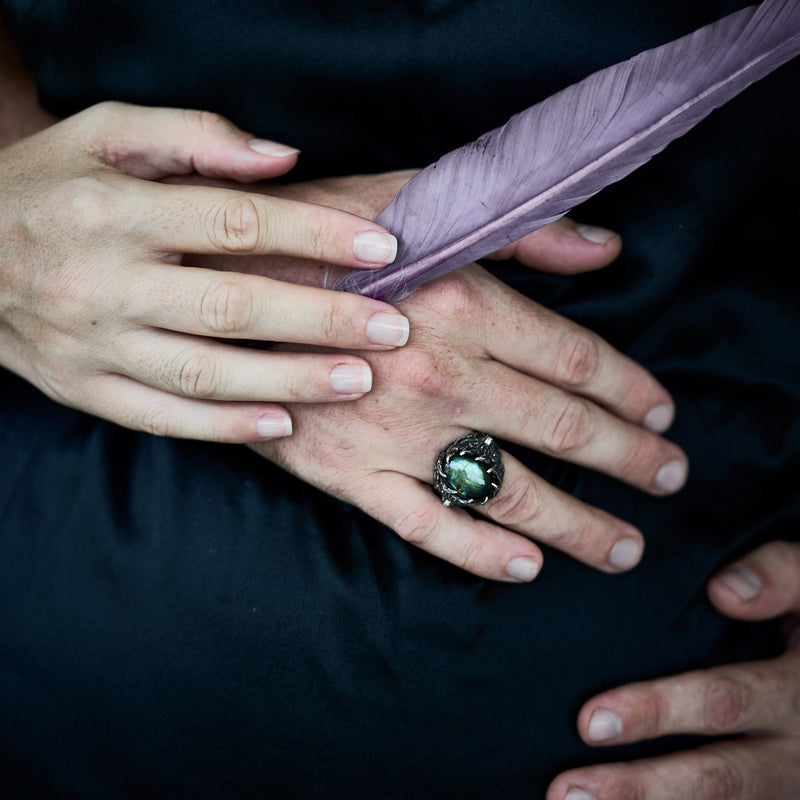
x=482, y=356
x=96, y=310
x=758, y=701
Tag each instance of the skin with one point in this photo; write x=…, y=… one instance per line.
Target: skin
x=483, y=357
x=757, y=704
x=485, y=546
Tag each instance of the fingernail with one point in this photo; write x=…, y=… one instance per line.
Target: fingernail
x=594, y=234
x=604, y=725
x=660, y=418
x=741, y=580
x=391, y=329
x=578, y=794
x=268, y=148
x=375, y=247
x=522, y=569
x=625, y=554
x=672, y=476
x=351, y=379
x=272, y=426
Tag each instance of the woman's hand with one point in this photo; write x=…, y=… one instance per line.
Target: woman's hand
x=757, y=703
x=96, y=310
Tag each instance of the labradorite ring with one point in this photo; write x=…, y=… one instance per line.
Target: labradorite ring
x=469, y=471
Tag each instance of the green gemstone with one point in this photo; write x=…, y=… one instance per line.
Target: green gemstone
x=468, y=478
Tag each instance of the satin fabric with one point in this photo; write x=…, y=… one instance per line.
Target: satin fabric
x=183, y=619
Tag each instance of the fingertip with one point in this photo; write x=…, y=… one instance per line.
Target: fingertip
x=596, y=235
x=660, y=418
x=523, y=569
x=374, y=248
x=274, y=425
x=266, y=147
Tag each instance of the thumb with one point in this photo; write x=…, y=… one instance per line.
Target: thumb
x=763, y=585
x=564, y=247
x=154, y=143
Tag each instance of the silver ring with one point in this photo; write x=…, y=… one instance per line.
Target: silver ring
x=469, y=471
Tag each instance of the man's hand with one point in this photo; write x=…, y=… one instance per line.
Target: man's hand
x=758, y=704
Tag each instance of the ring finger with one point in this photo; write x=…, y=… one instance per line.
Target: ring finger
x=194, y=367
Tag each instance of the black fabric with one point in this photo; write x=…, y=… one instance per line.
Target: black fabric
x=184, y=620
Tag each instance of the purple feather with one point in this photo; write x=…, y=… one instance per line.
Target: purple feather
x=558, y=153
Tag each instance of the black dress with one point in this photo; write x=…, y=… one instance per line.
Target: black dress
x=181, y=619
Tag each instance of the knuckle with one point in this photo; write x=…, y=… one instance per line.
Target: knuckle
x=427, y=374
x=331, y=325
x=236, y=225
x=720, y=781
x=572, y=428
x=87, y=206
x=417, y=527
x=516, y=505
x=725, y=704
x=197, y=375
x=157, y=420
x=640, y=457
x=578, y=360
x=210, y=122
x=226, y=308
x=320, y=238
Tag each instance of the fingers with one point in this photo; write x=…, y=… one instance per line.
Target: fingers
x=749, y=769
x=205, y=302
x=410, y=508
x=526, y=505
x=566, y=426
x=762, y=585
x=144, y=408
x=155, y=142
x=725, y=700
x=565, y=247
x=198, y=219
x=531, y=506
x=544, y=344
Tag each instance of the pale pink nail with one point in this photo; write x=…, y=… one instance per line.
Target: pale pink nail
x=375, y=247
x=522, y=569
x=387, y=329
x=625, y=554
x=604, y=725
x=672, y=476
x=351, y=379
x=743, y=581
x=275, y=149
x=594, y=234
x=272, y=426
x=578, y=794
x=660, y=418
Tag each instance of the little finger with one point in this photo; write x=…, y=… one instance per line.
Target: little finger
x=143, y=408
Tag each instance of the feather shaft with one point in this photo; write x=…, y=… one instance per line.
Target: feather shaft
x=556, y=154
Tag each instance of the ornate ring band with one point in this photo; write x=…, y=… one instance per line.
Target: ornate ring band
x=469, y=471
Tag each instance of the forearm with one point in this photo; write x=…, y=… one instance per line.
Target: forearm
x=20, y=112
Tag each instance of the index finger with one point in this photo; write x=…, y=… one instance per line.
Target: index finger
x=754, y=696
x=215, y=221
